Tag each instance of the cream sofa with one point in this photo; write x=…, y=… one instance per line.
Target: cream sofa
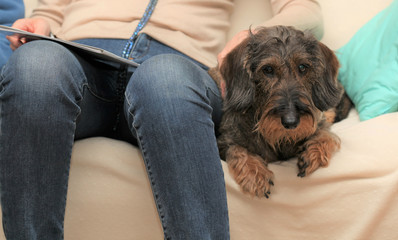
x=356, y=197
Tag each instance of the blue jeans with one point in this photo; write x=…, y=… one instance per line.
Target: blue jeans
x=49, y=97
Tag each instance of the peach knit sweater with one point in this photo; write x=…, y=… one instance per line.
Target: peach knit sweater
x=195, y=27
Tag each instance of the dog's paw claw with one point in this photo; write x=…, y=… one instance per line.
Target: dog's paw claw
x=302, y=166
x=267, y=194
x=301, y=174
x=271, y=182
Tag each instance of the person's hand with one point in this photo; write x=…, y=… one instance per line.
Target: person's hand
x=33, y=25
x=238, y=38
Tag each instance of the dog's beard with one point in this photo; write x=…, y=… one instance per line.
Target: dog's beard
x=275, y=134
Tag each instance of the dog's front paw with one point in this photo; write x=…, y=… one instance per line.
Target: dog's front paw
x=250, y=172
x=257, y=183
x=317, y=153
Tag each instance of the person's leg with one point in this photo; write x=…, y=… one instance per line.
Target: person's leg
x=38, y=113
x=170, y=103
x=43, y=91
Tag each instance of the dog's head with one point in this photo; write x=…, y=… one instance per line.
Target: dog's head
x=286, y=76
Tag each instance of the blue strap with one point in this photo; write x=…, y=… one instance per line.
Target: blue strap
x=140, y=26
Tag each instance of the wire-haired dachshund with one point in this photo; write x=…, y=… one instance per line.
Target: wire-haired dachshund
x=281, y=96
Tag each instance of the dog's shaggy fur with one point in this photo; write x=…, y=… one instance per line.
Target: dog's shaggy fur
x=281, y=95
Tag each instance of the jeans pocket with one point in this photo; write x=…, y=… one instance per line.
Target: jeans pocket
x=140, y=48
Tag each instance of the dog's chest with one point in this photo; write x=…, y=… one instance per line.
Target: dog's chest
x=287, y=151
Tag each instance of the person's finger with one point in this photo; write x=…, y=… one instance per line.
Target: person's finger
x=15, y=41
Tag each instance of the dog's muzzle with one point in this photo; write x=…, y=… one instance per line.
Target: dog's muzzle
x=290, y=105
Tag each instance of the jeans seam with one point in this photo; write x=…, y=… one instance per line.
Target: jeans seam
x=2, y=79
x=150, y=178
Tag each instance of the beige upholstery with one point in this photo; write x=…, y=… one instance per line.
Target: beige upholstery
x=356, y=197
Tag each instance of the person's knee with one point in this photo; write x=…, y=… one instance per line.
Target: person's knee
x=170, y=90
x=166, y=76
x=41, y=79
x=39, y=68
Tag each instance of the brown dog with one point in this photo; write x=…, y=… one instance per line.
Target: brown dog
x=279, y=83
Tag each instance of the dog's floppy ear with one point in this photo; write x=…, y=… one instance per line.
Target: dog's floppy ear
x=327, y=91
x=239, y=88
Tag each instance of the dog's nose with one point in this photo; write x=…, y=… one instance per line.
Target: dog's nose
x=290, y=120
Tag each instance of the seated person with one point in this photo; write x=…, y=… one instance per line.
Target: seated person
x=169, y=105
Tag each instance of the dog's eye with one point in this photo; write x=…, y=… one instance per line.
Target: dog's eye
x=302, y=68
x=268, y=70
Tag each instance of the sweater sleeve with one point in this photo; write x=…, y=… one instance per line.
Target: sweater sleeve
x=51, y=11
x=10, y=10
x=302, y=14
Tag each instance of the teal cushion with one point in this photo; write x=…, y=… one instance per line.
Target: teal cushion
x=369, y=65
